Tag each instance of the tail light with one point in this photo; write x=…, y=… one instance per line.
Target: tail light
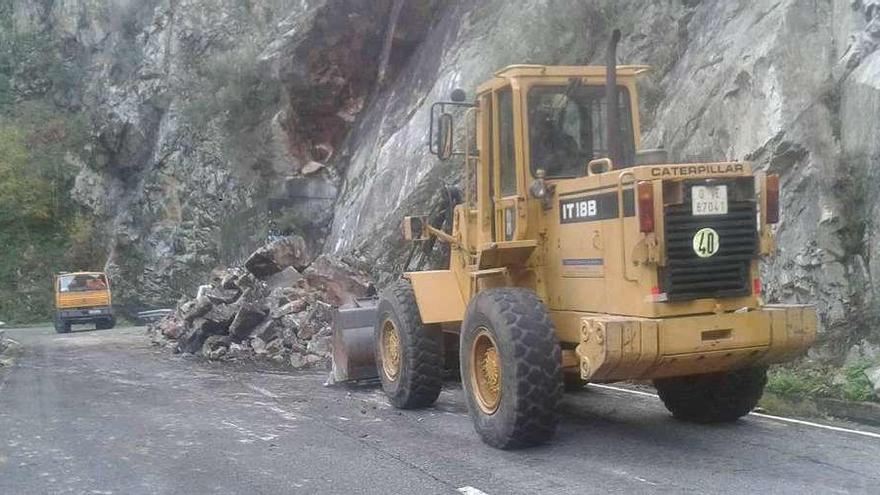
x=772, y=201
x=756, y=286
x=645, y=191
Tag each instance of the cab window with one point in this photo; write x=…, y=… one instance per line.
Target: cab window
x=567, y=128
x=81, y=282
x=506, y=151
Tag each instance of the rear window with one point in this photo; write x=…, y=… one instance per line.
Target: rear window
x=567, y=128
x=82, y=282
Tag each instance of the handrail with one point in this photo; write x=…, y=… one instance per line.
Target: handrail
x=621, y=215
x=467, y=154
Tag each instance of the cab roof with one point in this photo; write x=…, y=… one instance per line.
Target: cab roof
x=79, y=273
x=521, y=70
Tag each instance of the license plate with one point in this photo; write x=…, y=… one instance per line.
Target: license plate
x=94, y=311
x=709, y=200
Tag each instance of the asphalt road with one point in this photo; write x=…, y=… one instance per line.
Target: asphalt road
x=104, y=412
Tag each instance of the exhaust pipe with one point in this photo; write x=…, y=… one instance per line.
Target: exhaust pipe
x=612, y=124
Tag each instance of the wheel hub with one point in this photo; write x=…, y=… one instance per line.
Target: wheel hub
x=486, y=372
x=390, y=350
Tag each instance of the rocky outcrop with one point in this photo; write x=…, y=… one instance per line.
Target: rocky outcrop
x=255, y=314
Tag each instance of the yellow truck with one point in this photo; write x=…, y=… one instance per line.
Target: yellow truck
x=82, y=298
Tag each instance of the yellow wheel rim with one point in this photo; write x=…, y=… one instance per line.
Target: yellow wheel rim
x=486, y=372
x=390, y=350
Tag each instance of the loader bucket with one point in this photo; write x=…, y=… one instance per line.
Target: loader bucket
x=353, y=342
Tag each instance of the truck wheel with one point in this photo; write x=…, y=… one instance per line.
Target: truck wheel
x=511, y=368
x=106, y=324
x=409, y=354
x=61, y=326
x=715, y=397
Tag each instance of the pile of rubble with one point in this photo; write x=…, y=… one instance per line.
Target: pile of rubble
x=277, y=307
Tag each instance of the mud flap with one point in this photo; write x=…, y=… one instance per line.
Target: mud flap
x=353, y=342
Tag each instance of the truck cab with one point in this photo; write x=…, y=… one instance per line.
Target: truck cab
x=83, y=298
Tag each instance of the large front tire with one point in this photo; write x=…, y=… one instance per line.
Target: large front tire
x=714, y=397
x=409, y=354
x=511, y=368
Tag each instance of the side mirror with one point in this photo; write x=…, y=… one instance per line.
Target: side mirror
x=445, y=136
x=415, y=228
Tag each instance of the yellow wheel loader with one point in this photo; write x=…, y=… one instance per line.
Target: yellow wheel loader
x=577, y=256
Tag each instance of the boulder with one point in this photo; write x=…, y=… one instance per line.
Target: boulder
x=247, y=318
x=300, y=361
x=259, y=346
x=338, y=282
x=275, y=347
x=316, y=320
x=290, y=251
x=221, y=314
x=230, y=279
x=171, y=327
x=289, y=308
x=319, y=345
x=288, y=277
x=222, y=296
x=239, y=350
x=277, y=298
x=267, y=330
x=199, y=307
x=216, y=346
x=194, y=337
x=288, y=326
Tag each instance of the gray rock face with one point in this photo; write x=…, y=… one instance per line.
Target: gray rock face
x=209, y=118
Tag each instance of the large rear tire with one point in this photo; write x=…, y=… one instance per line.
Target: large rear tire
x=409, y=354
x=511, y=368
x=715, y=397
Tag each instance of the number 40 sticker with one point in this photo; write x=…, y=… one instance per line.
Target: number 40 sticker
x=706, y=242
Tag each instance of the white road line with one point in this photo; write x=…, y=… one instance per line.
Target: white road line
x=758, y=415
x=627, y=390
x=469, y=490
x=817, y=425
x=261, y=391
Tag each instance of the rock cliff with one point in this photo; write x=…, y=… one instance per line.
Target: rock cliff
x=214, y=120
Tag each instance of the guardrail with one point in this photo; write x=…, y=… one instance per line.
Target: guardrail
x=154, y=314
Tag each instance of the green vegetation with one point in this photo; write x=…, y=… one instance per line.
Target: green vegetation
x=42, y=230
x=848, y=383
